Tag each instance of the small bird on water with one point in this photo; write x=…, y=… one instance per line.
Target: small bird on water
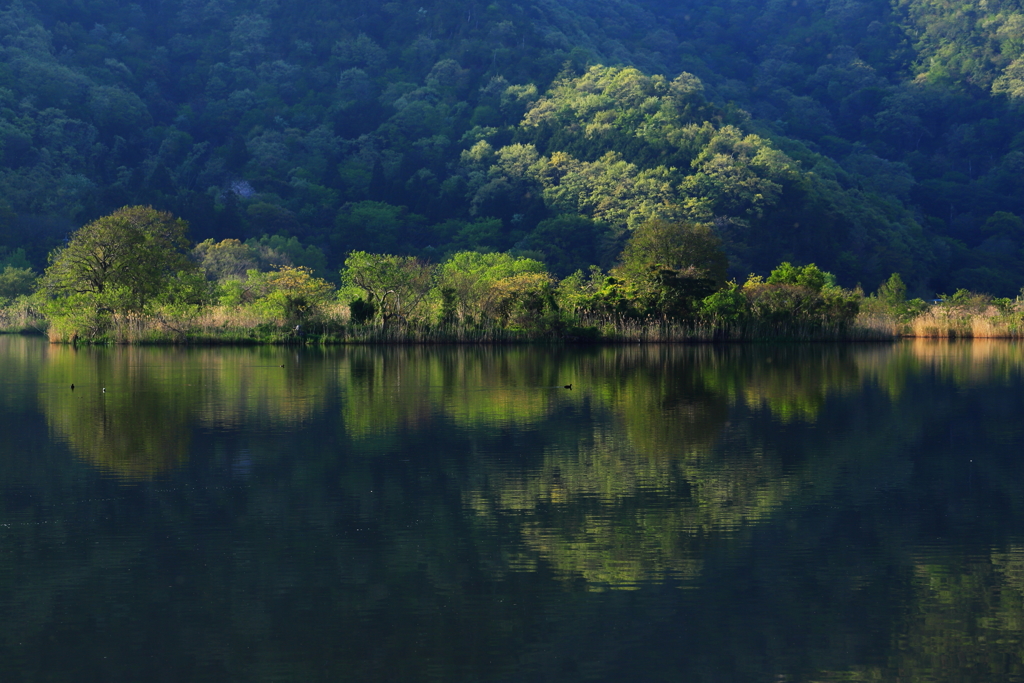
x=72, y=387
x=568, y=386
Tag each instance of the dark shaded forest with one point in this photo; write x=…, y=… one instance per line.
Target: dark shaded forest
x=867, y=137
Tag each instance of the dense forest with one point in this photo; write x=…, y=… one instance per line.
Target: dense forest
x=866, y=137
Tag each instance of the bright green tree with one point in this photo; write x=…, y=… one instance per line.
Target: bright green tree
x=668, y=266
x=677, y=245
x=117, y=265
x=893, y=291
x=289, y=294
x=227, y=259
x=794, y=297
x=466, y=281
x=809, y=276
x=394, y=285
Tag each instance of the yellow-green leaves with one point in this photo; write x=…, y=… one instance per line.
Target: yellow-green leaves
x=624, y=148
x=115, y=266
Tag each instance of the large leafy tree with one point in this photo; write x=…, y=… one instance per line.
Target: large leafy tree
x=468, y=282
x=118, y=264
x=676, y=245
x=667, y=266
x=395, y=286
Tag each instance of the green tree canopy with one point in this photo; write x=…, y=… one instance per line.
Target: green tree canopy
x=394, y=285
x=16, y=281
x=119, y=263
x=674, y=245
x=225, y=259
x=467, y=279
x=809, y=276
x=668, y=266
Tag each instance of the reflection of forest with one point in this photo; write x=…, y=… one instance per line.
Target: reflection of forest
x=966, y=623
x=843, y=513
x=671, y=402
x=134, y=408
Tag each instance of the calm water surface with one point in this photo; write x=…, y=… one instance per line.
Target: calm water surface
x=740, y=513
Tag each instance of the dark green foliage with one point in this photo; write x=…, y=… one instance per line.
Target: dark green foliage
x=13, y=259
x=16, y=275
x=117, y=269
x=795, y=301
x=679, y=293
x=449, y=306
x=567, y=243
x=867, y=138
x=395, y=286
x=675, y=246
x=783, y=304
x=667, y=268
x=228, y=259
x=891, y=300
x=726, y=306
x=892, y=292
x=361, y=311
x=16, y=282
x=278, y=250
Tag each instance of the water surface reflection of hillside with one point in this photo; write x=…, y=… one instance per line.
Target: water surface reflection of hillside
x=824, y=512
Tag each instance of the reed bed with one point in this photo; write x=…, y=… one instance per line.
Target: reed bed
x=875, y=325
x=20, y=317
x=942, y=322
x=332, y=325
x=245, y=325
x=659, y=331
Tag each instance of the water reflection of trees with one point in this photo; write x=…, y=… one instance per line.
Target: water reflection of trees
x=622, y=506
x=128, y=428
x=392, y=388
x=966, y=622
x=785, y=488
x=134, y=409
x=21, y=357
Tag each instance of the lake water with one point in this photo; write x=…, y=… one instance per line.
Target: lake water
x=683, y=513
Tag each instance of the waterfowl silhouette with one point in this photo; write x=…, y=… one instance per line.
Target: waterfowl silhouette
x=72, y=387
x=568, y=386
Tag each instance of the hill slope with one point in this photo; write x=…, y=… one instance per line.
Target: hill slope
x=869, y=137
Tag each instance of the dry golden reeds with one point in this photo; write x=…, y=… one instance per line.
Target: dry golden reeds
x=945, y=322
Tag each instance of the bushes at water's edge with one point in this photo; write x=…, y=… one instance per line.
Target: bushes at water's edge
x=21, y=315
x=126, y=278
x=962, y=315
x=478, y=298
x=18, y=311
x=756, y=311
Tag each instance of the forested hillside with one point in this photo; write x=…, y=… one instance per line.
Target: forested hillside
x=867, y=137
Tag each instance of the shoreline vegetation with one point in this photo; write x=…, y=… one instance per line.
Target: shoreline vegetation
x=132, y=278
x=218, y=326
